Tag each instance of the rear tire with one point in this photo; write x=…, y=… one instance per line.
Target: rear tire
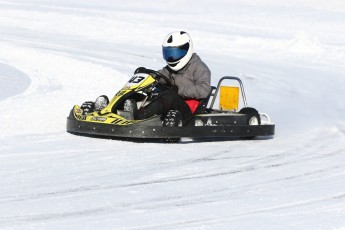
x=253, y=118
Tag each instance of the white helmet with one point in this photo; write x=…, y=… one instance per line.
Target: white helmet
x=177, y=49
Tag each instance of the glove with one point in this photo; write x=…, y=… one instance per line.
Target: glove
x=87, y=107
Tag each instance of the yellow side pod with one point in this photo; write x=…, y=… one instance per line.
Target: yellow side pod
x=229, y=96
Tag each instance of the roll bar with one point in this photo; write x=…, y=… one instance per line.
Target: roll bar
x=218, y=87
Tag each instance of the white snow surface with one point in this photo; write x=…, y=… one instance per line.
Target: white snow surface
x=57, y=53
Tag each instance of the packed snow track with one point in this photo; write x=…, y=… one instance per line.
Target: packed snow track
x=290, y=57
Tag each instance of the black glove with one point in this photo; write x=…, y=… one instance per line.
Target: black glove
x=88, y=107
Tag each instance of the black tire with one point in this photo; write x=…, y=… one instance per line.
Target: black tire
x=88, y=107
x=253, y=118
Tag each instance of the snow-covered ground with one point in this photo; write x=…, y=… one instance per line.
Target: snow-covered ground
x=57, y=53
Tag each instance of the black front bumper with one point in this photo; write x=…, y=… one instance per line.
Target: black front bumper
x=159, y=132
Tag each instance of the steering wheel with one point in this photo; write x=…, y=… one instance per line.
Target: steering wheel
x=156, y=75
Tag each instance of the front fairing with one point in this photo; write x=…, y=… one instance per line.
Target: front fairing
x=137, y=83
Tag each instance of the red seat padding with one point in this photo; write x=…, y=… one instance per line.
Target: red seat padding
x=193, y=104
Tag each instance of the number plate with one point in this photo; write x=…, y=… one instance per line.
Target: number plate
x=137, y=79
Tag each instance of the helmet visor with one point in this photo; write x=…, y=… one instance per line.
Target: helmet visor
x=174, y=54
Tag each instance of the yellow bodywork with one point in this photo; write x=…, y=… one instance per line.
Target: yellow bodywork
x=110, y=118
x=106, y=116
x=229, y=97
x=126, y=89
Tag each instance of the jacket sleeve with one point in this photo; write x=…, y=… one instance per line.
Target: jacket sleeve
x=200, y=85
x=165, y=72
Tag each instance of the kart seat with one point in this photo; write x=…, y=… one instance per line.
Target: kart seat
x=201, y=108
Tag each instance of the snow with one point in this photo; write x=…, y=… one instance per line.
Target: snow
x=291, y=58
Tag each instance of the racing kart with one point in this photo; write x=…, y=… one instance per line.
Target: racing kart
x=111, y=120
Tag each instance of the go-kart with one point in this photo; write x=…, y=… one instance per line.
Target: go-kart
x=110, y=119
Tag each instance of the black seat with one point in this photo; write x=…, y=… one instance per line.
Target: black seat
x=202, y=107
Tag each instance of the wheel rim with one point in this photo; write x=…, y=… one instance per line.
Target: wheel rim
x=253, y=121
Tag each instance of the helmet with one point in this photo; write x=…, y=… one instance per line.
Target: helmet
x=177, y=49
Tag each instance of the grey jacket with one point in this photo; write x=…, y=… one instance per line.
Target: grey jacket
x=193, y=80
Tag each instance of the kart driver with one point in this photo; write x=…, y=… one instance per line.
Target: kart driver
x=190, y=78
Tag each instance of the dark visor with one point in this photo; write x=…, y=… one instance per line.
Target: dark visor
x=174, y=54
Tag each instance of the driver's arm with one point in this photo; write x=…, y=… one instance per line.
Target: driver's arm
x=166, y=73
